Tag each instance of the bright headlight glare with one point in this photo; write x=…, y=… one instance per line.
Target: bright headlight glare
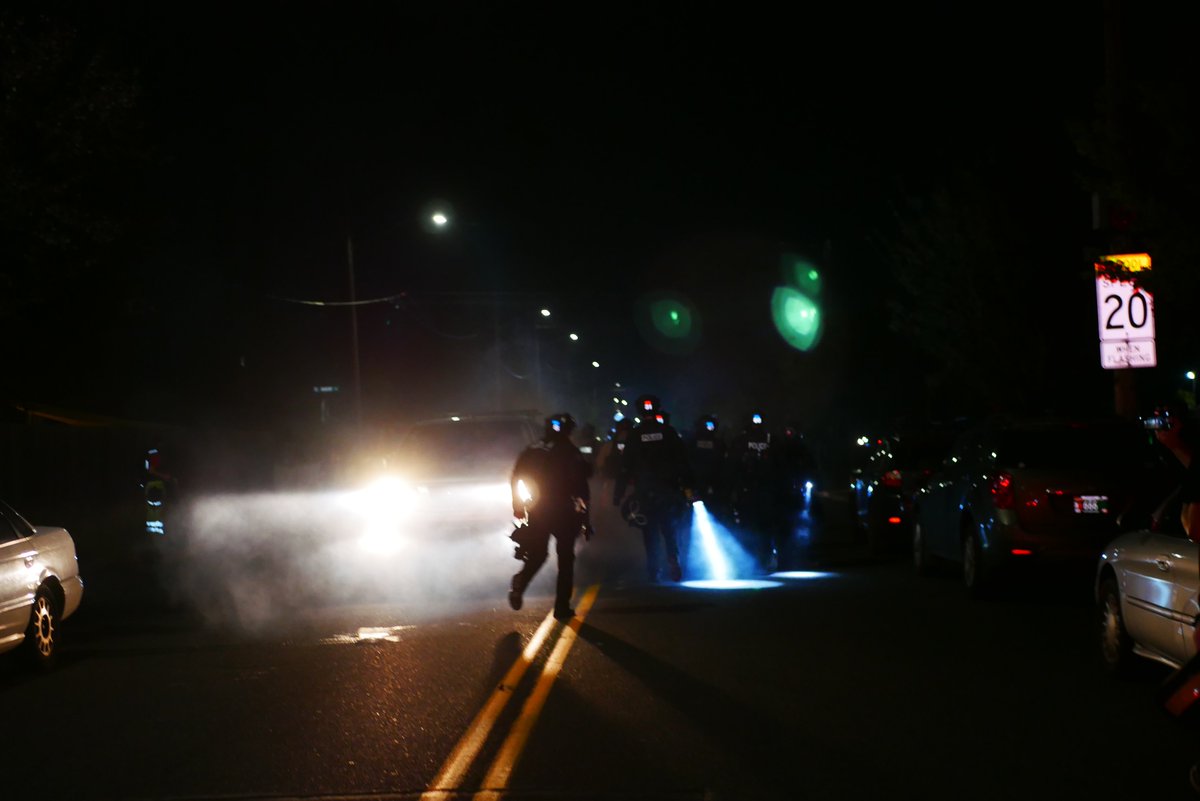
x=487, y=495
x=380, y=542
x=385, y=500
x=523, y=491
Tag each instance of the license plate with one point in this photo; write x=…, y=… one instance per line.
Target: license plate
x=1091, y=504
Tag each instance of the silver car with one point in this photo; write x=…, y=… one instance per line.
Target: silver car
x=40, y=585
x=1146, y=588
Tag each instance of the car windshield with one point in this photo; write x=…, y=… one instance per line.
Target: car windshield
x=463, y=449
x=1073, y=448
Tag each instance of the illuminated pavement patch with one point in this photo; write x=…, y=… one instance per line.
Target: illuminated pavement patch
x=731, y=584
x=368, y=634
x=803, y=574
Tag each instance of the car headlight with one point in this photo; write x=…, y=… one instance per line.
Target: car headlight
x=383, y=506
x=386, y=500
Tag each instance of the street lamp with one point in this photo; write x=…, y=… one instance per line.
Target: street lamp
x=595, y=364
x=574, y=337
x=437, y=215
x=545, y=312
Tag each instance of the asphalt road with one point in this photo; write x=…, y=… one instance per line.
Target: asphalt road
x=860, y=680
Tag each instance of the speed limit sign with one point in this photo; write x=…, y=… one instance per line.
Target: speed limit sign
x=1125, y=312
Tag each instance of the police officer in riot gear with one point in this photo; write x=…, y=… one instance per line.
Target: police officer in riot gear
x=795, y=476
x=550, y=495
x=754, y=491
x=157, y=483
x=655, y=463
x=795, y=469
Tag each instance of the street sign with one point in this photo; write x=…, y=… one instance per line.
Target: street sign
x=1119, y=355
x=1124, y=312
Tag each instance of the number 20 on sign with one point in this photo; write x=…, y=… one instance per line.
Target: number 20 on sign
x=1125, y=312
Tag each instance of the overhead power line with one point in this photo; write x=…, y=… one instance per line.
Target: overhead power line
x=385, y=299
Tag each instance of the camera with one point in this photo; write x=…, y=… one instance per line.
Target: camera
x=1159, y=420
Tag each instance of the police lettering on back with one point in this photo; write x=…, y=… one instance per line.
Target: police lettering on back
x=655, y=465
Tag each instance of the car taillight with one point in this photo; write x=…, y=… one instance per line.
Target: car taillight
x=1002, y=491
x=892, y=479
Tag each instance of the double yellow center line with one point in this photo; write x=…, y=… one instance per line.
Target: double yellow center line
x=449, y=779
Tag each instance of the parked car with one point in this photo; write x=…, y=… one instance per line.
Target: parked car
x=1028, y=493
x=1146, y=598
x=886, y=472
x=40, y=585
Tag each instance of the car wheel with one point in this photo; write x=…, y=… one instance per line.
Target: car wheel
x=922, y=561
x=974, y=576
x=1116, y=646
x=41, y=637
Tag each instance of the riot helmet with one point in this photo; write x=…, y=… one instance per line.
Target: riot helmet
x=561, y=424
x=648, y=405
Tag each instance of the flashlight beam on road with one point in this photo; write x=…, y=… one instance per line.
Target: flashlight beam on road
x=718, y=564
x=722, y=555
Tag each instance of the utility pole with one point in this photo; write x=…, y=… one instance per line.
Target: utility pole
x=1124, y=383
x=354, y=331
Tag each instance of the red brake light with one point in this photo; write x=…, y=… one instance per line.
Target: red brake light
x=1002, y=491
x=892, y=479
x=895, y=521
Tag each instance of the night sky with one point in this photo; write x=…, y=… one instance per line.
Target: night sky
x=590, y=157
